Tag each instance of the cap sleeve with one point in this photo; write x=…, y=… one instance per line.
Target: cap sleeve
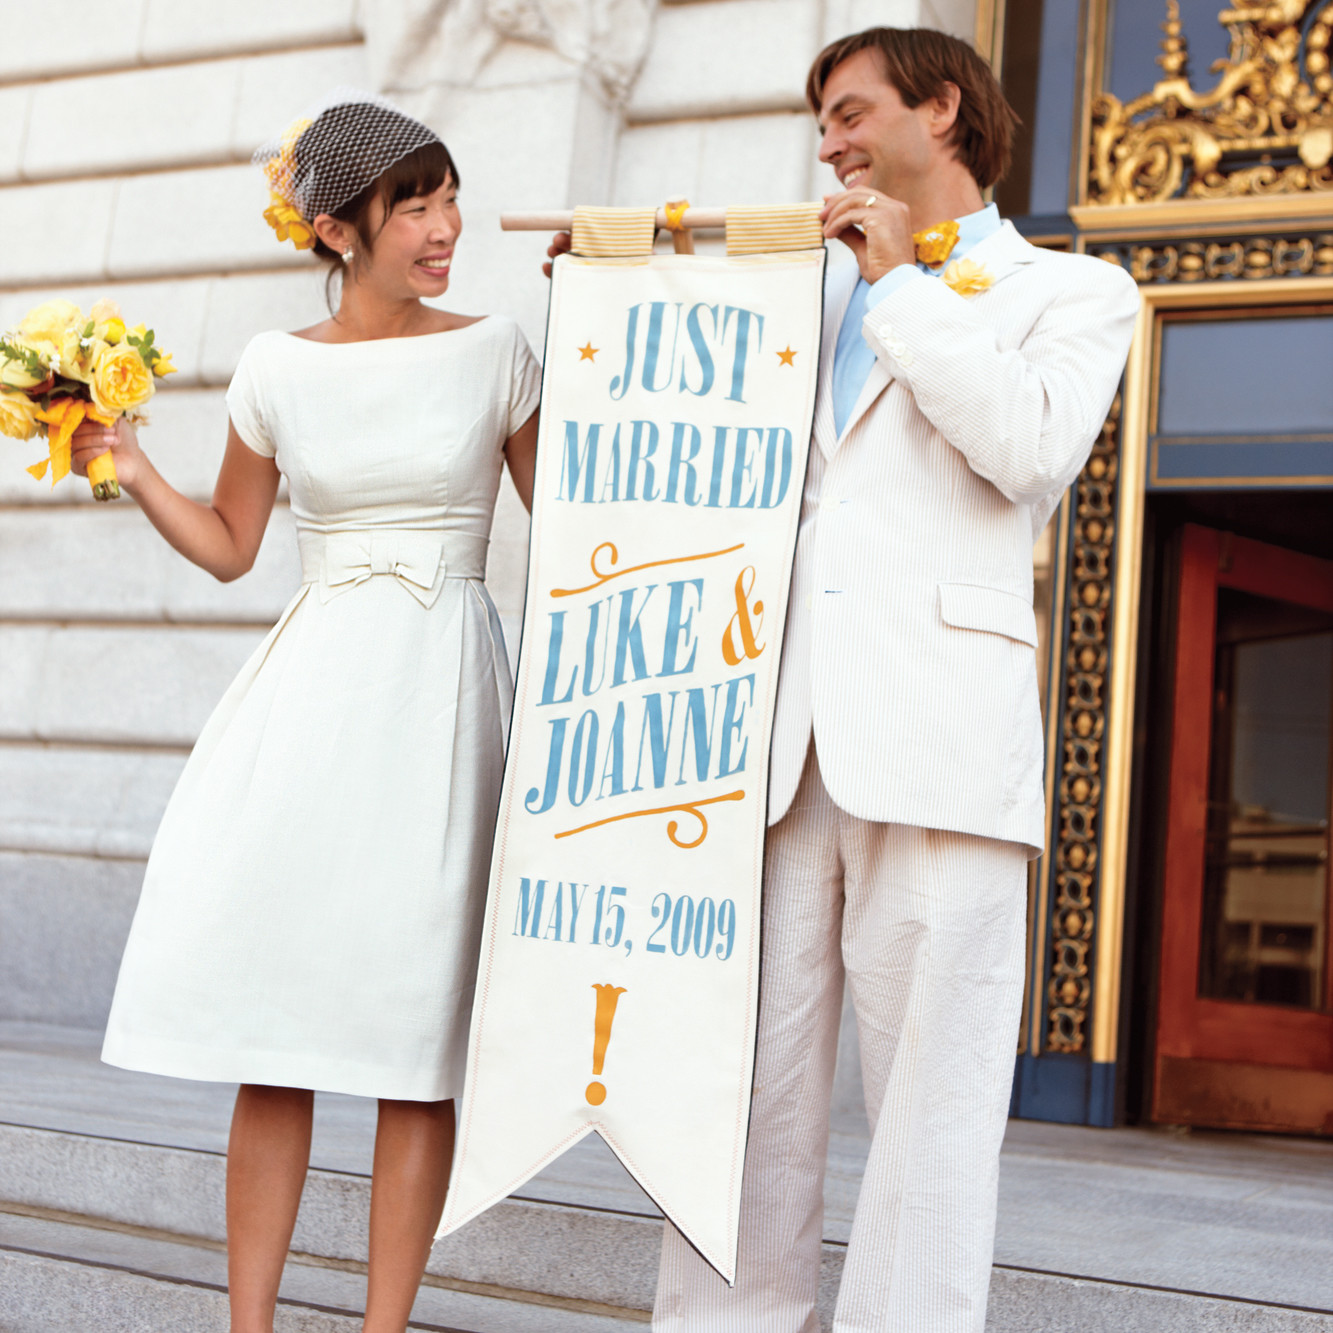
x=525, y=389
x=245, y=404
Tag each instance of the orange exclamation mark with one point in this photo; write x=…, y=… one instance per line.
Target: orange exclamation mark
x=607, y=999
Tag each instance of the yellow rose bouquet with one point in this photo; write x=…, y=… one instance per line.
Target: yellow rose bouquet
x=60, y=367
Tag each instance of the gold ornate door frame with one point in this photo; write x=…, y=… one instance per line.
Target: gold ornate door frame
x=1215, y=199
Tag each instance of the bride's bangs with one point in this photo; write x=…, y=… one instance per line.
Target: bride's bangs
x=420, y=172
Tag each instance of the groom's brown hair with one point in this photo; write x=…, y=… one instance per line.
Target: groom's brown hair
x=918, y=62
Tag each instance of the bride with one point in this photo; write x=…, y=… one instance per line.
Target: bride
x=311, y=910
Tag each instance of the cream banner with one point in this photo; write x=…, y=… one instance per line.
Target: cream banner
x=620, y=962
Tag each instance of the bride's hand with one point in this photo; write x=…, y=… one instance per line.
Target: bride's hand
x=92, y=439
x=560, y=244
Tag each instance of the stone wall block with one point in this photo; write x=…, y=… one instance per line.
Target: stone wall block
x=596, y=129
x=15, y=103
x=724, y=57
x=165, y=682
x=659, y=160
x=66, y=919
x=172, y=31
x=194, y=222
x=842, y=17
x=70, y=36
x=517, y=64
x=107, y=563
x=275, y=89
x=177, y=115
x=757, y=159
x=55, y=232
x=205, y=111
x=513, y=145
x=83, y=802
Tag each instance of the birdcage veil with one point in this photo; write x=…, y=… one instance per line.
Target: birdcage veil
x=333, y=151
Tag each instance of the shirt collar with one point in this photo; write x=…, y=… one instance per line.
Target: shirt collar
x=974, y=227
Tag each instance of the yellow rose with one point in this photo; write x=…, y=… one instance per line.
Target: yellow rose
x=163, y=365
x=18, y=415
x=967, y=277
x=50, y=321
x=120, y=380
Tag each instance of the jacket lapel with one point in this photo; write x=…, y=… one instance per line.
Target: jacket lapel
x=1004, y=252
x=877, y=381
x=838, y=289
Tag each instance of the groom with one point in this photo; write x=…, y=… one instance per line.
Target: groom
x=964, y=378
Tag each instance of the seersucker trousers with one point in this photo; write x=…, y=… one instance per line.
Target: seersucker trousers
x=928, y=928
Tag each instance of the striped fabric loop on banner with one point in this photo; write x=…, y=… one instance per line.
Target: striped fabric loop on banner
x=766, y=229
x=608, y=233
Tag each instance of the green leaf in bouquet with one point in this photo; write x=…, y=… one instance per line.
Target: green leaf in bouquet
x=25, y=356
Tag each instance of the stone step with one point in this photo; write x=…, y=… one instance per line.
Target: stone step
x=575, y=1252
x=63, y=1276
x=137, y=1216
x=1098, y=1230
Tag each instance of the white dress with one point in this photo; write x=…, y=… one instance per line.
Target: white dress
x=311, y=911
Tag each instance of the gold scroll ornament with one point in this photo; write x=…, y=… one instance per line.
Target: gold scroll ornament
x=1265, y=127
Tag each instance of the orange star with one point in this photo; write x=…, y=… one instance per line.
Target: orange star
x=588, y=351
x=786, y=358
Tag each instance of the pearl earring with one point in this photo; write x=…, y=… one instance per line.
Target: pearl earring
x=348, y=255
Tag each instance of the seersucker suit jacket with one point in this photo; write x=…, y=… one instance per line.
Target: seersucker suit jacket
x=910, y=646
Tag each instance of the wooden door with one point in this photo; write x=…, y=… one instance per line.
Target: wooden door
x=1245, y=1019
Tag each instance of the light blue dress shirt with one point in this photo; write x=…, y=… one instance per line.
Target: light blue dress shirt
x=853, y=358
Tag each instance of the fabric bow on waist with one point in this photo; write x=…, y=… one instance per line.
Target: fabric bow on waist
x=414, y=559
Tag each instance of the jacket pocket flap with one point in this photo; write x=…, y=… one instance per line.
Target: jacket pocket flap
x=971, y=606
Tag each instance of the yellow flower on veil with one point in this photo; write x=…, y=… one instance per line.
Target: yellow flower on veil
x=281, y=214
x=288, y=224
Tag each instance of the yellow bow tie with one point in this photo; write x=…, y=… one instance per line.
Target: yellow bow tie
x=935, y=244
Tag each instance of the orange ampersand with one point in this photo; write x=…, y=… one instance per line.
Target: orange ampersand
x=740, y=623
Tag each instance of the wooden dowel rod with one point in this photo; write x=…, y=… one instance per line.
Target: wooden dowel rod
x=563, y=221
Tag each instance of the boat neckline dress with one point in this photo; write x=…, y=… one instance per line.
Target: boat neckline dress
x=311, y=909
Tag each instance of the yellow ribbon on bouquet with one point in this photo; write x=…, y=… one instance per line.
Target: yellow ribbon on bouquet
x=63, y=418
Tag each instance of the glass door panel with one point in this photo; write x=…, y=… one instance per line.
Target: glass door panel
x=1245, y=1012
x=1265, y=908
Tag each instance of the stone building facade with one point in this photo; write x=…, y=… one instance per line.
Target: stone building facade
x=125, y=137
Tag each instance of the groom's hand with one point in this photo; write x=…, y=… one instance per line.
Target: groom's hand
x=877, y=230
x=560, y=244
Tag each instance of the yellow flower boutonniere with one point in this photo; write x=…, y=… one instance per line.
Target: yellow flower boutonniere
x=967, y=278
